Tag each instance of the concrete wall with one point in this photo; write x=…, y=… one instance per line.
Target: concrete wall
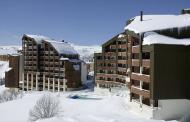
x=171, y=109
x=83, y=73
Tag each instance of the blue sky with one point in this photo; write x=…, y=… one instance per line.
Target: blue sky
x=84, y=22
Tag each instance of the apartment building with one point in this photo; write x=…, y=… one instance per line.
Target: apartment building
x=111, y=65
x=12, y=76
x=49, y=65
x=158, y=59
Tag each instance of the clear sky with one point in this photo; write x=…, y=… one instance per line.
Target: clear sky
x=84, y=22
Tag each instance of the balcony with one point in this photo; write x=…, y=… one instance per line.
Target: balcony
x=145, y=62
x=122, y=61
x=113, y=46
x=140, y=77
x=123, y=46
x=136, y=90
x=106, y=68
x=110, y=54
x=122, y=69
x=135, y=49
x=122, y=54
x=106, y=75
x=99, y=61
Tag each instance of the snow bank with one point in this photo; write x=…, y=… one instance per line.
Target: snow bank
x=155, y=38
x=3, y=68
x=158, y=22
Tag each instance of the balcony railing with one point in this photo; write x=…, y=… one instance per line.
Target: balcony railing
x=135, y=49
x=143, y=92
x=122, y=61
x=123, y=46
x=140, y=77
x=145, y=62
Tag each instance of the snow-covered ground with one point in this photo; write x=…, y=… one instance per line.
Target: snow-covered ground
x=3, y=67
x=98, y=107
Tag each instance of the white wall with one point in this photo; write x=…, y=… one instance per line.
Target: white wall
x=83, y=73
x=171, y=109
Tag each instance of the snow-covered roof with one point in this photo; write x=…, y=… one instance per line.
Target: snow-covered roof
x=64, y=59
x=61, y=47
x=38, y=38
x=158, y=22
x=155, y=38
x=121, y=36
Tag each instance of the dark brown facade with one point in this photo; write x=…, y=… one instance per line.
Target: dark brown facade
x=111, y=65
x=46, y=68
x=158, y=71
x=12, y=75
x=4, y=57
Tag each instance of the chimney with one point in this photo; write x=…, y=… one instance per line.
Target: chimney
x=141, y=16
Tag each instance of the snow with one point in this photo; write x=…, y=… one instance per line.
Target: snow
x=5, y=50
x=87, y=52
x=64, y=59
x=2, y=88
x=121, y=36
x=3, y=67
x=63, y=47
x=155, y=38
x=108, y=107
x=37, y=38
x=158, y=22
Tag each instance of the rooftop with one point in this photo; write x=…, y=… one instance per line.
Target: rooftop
x=155, y=38
x=158, y=22
x=61, y=47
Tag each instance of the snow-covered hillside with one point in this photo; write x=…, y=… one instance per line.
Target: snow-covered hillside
x=97, y=107
x=87, y=52
x=9, y=49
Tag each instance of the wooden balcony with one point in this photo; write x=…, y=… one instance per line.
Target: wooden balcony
x=123, y=77
x=122, y=61
x=123, y=46
x=122, y=69
x=105, y=68
x=110, y=61
x=135, y=49
x=139, y=91
x=145, y=62
x=113, y=46
x=106, y=75
x=99, y=61
x=110, y=54
x=122, y=54
x=140, y=77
